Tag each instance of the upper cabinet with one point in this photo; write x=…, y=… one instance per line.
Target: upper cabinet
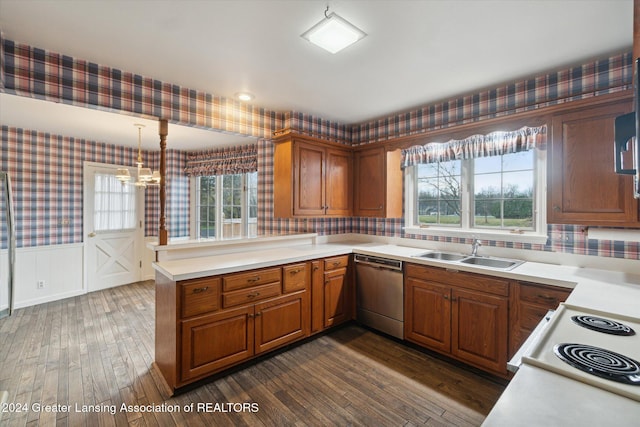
x=583, y=187
x=311, y=178
x=378, y=183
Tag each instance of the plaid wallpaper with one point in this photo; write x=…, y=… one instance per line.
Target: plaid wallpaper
x=46, y=174
x=596, y=78
x=33, y=72
x=38, y=73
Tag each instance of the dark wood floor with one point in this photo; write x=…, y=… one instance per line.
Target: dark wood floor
x=94, y=353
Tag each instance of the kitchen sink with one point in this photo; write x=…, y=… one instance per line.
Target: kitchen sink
x=502, y=264
x=480, y=261
x=442, y=256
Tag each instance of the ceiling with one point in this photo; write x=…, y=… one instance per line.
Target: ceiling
x=416, y=52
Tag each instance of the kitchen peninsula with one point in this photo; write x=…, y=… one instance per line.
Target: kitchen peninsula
x=534, y=396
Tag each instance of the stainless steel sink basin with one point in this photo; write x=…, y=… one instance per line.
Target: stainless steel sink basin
x=442, y=256
x=502, y=264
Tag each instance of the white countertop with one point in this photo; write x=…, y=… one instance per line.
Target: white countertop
x=535, y=397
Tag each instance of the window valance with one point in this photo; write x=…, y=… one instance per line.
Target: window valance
x=493, y=144
x=226, y=161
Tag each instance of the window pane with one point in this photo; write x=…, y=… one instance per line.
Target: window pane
x=114, y=204
x=487, y=164
x=504, y=198
x=488, y=186
x=518, y=161
x=438, y=193
x=518, y=184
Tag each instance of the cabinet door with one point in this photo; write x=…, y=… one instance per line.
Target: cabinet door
x=336, y=304
x=309, y=176
x=281, y=321
x=338, y=182
x=370, y=183
x=583, y=187
x=479, y=329
x=427, y=317
x=213, y=342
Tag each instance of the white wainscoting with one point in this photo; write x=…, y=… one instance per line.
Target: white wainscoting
x=59, y=266
x=61, y=269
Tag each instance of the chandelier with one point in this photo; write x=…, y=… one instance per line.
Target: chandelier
x=145, y=176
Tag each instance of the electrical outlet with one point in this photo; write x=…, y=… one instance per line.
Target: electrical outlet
x=41, y=284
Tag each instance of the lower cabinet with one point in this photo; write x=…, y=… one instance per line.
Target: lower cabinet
x=206, y=325
x=529, y=303
x=462, y=315
x=337, y=301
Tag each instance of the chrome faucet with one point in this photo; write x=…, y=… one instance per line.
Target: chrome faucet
x=475, y=245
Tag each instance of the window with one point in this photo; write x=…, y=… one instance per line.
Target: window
x=438, y=186
x=115, y=204
x=492, y=185
x=226, y=206
x=504, y=188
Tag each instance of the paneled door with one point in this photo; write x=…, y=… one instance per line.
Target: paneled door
x=112, y=229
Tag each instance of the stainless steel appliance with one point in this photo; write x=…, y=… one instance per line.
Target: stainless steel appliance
x=380, y=294
x=597, y=348
x=627, y=128
x=7, y=242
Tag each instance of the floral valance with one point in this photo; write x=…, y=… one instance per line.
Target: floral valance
x=493, y=144
x=226, y=161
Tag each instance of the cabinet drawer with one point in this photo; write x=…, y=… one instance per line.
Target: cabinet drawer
x=294, y=277
x=252, y=278
x=336, y=262
x=531, y=315
x=473, y=281
x=200, y=296
x=543, y=295
x=255, y=293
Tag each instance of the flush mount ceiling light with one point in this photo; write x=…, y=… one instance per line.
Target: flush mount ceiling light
x=333, y=33
x=244, y=96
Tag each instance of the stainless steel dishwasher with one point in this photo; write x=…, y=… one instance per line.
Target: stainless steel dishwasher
x=380, y=294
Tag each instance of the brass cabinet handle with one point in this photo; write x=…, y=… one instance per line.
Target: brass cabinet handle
x=446, y=297
x=259, y=314
x=295, y=271
x=316, y=268
x=253, y=295
x=200, y=290
x=253, y=279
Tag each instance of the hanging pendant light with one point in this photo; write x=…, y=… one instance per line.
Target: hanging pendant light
x=145, y=176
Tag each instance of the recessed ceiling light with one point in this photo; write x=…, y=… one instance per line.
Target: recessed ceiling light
x=244, y=96
x=333, y=33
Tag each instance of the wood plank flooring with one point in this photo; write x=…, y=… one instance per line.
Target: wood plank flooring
x=75, y=362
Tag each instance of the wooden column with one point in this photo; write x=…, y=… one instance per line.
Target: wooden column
x=636, y=30
x=163, y=235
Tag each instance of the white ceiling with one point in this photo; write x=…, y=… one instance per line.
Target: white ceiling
x=416, y=52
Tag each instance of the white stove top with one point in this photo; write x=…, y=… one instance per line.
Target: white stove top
x=562, y=330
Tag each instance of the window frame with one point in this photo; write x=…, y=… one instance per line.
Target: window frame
x=219, y=221
x=466, y=229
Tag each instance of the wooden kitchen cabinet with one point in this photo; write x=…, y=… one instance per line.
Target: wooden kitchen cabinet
x=528, y=304
x=311, y=178
x=209, y=324
x=337, y=291
x=377, y=183
x=463, y=315
x=583, y=187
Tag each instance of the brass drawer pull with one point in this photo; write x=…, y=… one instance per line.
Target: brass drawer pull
x=253, y=295
x=336, y=263
x=295, y=271
x=200, y=290
x=253, y=279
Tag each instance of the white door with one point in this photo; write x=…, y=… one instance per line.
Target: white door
x=112, y=229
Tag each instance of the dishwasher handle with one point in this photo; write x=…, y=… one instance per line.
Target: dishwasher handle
x=379, y=263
